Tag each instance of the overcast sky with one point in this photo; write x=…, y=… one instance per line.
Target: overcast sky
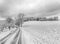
x=29, y=7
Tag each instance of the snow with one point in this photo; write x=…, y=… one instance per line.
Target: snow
x=46, y=31
x=38, y=31
x=42, y=27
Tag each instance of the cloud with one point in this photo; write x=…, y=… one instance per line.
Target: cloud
x=11, y=8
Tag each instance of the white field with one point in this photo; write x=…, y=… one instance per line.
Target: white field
x=44, y=26
x=48, y=31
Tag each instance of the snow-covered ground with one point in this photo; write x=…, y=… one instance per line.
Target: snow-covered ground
x=42, y=26
x=39, y=32
x=48, y=31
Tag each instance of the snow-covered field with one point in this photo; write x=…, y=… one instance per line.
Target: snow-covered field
x=39, y=32
x=39, y=26
x=47, y=31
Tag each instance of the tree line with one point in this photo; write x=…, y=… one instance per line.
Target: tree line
x=41, y=19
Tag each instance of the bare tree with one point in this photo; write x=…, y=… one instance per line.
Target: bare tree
x=19, y=20
x=9, y=22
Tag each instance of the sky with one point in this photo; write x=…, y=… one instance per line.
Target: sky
x=11, y=8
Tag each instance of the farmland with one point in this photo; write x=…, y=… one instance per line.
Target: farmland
x=48, y=31
x=44, y=32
